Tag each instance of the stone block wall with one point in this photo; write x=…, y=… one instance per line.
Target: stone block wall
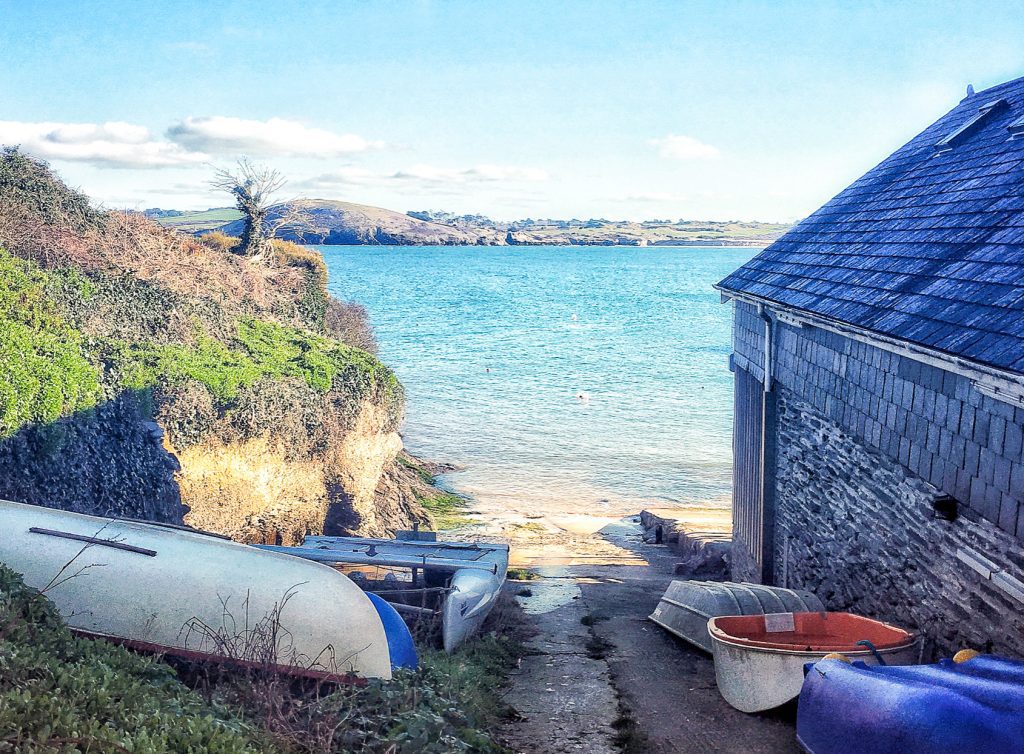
x=934, y=423
x=858, y=530
x=865, y=441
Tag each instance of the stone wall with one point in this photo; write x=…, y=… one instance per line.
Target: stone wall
x=934, y=423
x=858, y=530
x=866, y=439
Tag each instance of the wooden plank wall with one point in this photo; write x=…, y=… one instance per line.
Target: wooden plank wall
x=748, y=500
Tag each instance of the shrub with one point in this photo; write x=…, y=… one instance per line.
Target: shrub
x=44, y=369
x=67, y=694
x=219, y=241
x=348, y=322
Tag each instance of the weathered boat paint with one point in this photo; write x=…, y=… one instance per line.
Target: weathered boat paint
x=185, y=593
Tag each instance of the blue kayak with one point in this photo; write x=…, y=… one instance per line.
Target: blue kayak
x=946, y=708
x=400, y=644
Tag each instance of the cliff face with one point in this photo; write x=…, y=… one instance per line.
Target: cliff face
x=144, y=374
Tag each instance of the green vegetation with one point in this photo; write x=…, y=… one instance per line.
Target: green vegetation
x=44, y=370
x=445, y=510
x=409, y=463
x=68, y=694
x=47, y=370
x=62, y=693
x=196, y=222
x=521, y=574
x=262, y=349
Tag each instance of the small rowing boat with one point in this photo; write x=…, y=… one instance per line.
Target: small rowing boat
x=972, y=703
x=177, y=591
x=687, y=606
x=467, y=575
x=759, y=659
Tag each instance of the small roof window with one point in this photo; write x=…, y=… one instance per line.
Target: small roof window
x=972, y=125
x=1016, y=128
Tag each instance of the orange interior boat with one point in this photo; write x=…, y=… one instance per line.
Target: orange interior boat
x=809, y=632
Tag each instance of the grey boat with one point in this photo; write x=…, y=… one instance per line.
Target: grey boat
x=687, y=606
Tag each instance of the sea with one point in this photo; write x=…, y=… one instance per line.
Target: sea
x=578, y=379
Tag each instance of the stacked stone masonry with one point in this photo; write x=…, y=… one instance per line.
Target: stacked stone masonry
x=865, y=441
x=932, y=422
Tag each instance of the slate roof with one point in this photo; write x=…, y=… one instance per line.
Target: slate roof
x=927, y=247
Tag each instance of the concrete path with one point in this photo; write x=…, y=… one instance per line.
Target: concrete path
x=602, y=678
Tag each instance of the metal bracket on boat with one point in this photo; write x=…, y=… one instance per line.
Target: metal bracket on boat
x=93, y=541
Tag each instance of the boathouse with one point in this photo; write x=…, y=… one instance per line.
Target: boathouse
x=879, y=389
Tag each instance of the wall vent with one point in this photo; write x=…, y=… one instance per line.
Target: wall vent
x=972, y=125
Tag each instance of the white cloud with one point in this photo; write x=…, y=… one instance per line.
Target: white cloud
x=477, y=174
x=678, y=147
x=424, y=176
x=655, y=197
x=113, y=145
x=264, y=138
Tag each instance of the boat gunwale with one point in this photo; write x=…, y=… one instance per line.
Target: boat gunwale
x=909, y=639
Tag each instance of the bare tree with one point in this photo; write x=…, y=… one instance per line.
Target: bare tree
x=253, y=187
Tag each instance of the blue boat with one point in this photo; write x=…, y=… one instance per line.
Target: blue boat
x=975, y=705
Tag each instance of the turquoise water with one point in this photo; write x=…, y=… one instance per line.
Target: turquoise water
x=608, y=381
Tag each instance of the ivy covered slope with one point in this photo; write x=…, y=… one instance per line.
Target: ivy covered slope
x=145, y=373
x=62, y=693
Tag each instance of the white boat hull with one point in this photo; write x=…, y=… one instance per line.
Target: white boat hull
x=687, y=606
x=194, y=595
x=468, y=604
x=752, y=679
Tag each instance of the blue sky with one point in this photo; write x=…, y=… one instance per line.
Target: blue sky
x=717, y=110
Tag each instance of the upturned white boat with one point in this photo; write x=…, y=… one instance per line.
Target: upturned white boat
x=468, y=575
x=181, y=592
x=687, y=606
x=759, y=659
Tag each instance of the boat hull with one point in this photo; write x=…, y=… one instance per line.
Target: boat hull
x=946, y=708
x=754, y=676
x=687, y=606
x=193, y=595
x=472, y=595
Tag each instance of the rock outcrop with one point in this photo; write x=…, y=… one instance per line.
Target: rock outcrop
x=145, y=374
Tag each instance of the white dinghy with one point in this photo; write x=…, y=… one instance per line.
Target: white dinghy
x=181, y=592
x=687, y=606
x=467, y=575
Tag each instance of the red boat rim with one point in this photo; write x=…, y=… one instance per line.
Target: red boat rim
x=811, y=632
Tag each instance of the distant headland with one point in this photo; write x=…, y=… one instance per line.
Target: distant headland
x=342, y=223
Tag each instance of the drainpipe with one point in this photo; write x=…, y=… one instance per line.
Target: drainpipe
x=768, y=428
x=762, y=312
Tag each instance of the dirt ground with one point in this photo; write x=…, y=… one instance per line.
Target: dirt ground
x=599, y=676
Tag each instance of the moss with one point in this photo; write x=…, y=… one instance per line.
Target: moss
x=261, y=350
x=63, y=693
x=445, y=509
x=421, y=472
x=45, y=371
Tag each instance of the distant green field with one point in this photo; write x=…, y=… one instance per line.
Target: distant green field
x=197, y=221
